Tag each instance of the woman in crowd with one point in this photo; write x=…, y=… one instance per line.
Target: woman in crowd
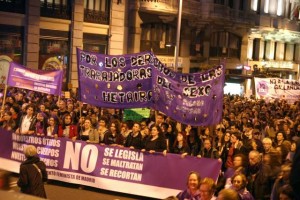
x=67, y=129
x=8, y=123
x=33, y=174
x=207, y=189
x=157, y=142
x=88, y=133
x=27, y=121
x=192, y=191
x=102, y=129
x=291, y=153
x=16, y=114
x=193, y=142
x=180, y=145
x=114, y=137
x=239, y=167
x=52, y=129
x=41, y=124
x=134, y=140
x=224, y=148
x=239, y=183
x=282, y=143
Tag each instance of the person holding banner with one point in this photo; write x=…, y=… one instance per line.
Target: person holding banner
x=180, y=145
x=156, y=142
x=8, y=123
x=52, y=129
x=193, y=184
x=67, y=129
x=33, y=173
x=27, y=121
x=134, y=140
x=41, y=124
x=114, y=137
x=88, y=133
x=102, y=129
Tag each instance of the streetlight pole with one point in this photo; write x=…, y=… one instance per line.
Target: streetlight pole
x=178, y=34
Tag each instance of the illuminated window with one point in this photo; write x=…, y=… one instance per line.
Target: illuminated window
x=254, y=4
x=266, y=7
x=279, y=8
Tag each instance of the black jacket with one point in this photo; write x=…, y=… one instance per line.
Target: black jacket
x=30, y=180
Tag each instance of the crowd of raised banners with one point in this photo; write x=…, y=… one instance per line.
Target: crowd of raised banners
x=106, y=167
x=140, y=80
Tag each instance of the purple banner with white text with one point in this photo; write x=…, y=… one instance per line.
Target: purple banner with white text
x=49, y=82
x=122, y=81
x=111, y=168
x=195, y=99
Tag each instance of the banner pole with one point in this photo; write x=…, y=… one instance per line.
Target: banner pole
x=4, y=99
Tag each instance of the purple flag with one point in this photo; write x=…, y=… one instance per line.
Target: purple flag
x=122, y=81
x=111, y=168
x=195, y=99
x=49, y=82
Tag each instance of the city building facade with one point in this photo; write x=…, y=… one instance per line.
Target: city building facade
x=252, y=37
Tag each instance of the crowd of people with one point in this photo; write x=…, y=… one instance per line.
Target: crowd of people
x=256, y=140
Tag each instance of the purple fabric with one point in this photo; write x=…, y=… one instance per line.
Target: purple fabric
x=122, y=81
x=195, y=99
x=141, y=80
x=89, y=159
x=49, y=82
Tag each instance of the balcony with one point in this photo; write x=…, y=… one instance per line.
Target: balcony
x=196, y=11
x=59, y=11
x=96, y=16
x=16, y=6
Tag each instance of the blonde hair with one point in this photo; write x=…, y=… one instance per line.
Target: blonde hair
x=30, y=151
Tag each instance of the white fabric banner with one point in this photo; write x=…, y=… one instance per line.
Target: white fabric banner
x=277, y=88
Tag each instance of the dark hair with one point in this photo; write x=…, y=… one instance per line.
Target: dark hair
x=287, y=190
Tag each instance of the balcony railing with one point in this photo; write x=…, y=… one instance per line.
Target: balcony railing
x=56, y=10
x=15, y=6
x=95, y=16
x=194, y=9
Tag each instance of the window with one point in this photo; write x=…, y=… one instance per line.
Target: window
x=54, y=52
x=16, y=6
x=96, y=11
x=254, y=5
x=56, y=8
x=11, y=42
x=225, y=44
x=95, y=43
x=158, y=37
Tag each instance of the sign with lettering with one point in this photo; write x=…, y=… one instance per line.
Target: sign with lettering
x=195, y=99
x=49, y=82
x=122, y=81
x=277, y=88
x=111, y=168
x=142, y=80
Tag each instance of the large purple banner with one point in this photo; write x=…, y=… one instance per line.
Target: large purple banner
x=122, y=81
x=49, y=82
x=106, y=167
x=141, y=80
x=195, y=99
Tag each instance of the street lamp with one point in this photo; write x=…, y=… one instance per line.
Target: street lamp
x=176, y=53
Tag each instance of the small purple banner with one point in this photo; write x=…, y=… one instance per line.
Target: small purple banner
x=107, y=167
x=122, y=81
x=49, y=82
x=195, y=99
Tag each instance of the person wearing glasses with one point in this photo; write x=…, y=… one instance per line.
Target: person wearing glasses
x=239, y=183
x=207, y=189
